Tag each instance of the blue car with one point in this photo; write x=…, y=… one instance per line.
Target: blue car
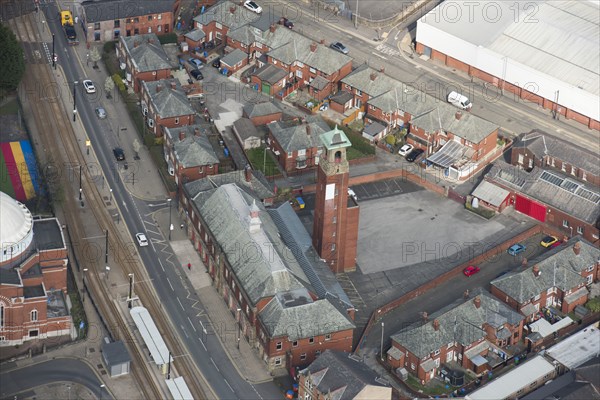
x=516, y=249
x=195, y=62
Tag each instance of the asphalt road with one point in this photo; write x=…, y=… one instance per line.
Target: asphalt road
x=180, y=304
x=58, y=370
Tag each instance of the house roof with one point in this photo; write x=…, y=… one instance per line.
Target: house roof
x=115, y=353
x=110, y=10
x=578, y=199
x=336, y=372
x=461, y=323
x=298, y=137
x=373, y=129
x=195, y=149
x=542, y=144
x=166, y=100
x=234, y=57
x=323, y=58
x=222, y=14
x=245, y=129
x=577, y=349
x=319, y=83
x=146, y=52
x=270, y=73
x=195, y=35
x=257, y=186
x=342, y=97
x=360, y=79
x=253, y=110
x=490, y=193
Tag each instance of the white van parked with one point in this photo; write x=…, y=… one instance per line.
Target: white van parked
x=459, y=100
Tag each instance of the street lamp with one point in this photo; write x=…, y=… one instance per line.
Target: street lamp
x=381, y=349
x=110, y=190
x=80, y=190
x=107, y=271
x=83, y=288
x=75, y=100
x=239, y=327
x=170, y=219
x=101, y=390
x=53, y=53
x=130, y=299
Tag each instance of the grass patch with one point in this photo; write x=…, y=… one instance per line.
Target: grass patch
x=593, y=305
x=361, y=147
x=11, y=107
x=433, y=387
x=259, y=162
x=78, y=313
x=167, y=38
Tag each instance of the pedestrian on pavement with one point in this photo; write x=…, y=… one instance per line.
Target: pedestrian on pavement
x=189, y=266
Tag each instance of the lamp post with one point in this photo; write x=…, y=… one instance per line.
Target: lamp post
x=53, y=53
x=75, y=100
x=83, y=284
x=80, y=190
x=130, y=299
x=170, y=219
x=169, y=367
x=239, y=327
x=101, y=390
x=110, y=192
x=381, y=349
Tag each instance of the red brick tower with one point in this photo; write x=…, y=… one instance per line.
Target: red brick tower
x=335, y=225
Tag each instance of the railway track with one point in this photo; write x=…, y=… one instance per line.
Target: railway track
x=60, y=142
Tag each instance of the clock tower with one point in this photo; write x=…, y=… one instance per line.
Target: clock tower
x=335, y=224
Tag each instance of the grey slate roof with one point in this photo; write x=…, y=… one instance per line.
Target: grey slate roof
x=10, y=276
x=234, y=57
x=115, y=353
x=335, y=370
x=360, y=79
x=296, y=137
x=458, y=324
x=561, y=268
x=246, y=129
x=109, y=10
x=342, y=97
x=312, y=318
x=168, y=102
x=401, y=97
x=261, y=109
x=193, y=150
x=253, y=248
x=34, y=291
x=582, y=203
x=490, y=193
x=258, y=185
x=221, y=13
x=149, y=55
x=373, y=129
x=323, y=59
x=270, y=73
x=195, y=35
x=538, y=142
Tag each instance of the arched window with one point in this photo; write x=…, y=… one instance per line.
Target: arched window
x=34, y=315
x=338, y=156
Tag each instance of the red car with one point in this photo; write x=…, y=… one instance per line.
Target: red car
x=471, y=270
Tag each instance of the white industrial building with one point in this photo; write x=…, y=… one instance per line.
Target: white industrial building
x=546, y=52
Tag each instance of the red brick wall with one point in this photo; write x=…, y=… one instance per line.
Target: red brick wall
x=165, y=23
x=351, y=239
x=161, y=123
x=265, y=119
x=138, y=77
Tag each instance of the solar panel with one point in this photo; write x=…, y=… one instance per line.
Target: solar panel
x=570, y=185
x=551, y=178
x=588, y=195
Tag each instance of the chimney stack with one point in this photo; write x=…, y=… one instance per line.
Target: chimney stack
x=232, y=9
x=536, y=271
x=524, y=263
x=248, y=173
x=158, y=88
x=373, y=76
x=196, y=131
x=181, y=135
x=576, y=248
x=173, y=85
x=382, y=69
x=308, y=129
x=425, y=316
x=313, y=47
x=322, y=41
x=477, y=302
x=458, y=115
x=272, y=28
x=436, y=325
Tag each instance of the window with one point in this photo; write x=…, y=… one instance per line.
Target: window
x=516, y=334
x=412, y=366
x=536, y=298
x=333, y=247
x=117, y=23
x=33, y=333
x=311, y=340
x=590, y=268
x=218, y=25
x=279, y=345
x=437, y=362
x=150, y=31
x=299, y=73
x=565, y=223
x=159, y=16
x=312, y=70
x=96, y=26
x=437, y=352
x=117, y=33
x=136, y=31
x=177, y=121
x=328, y=336
x=303, y=356
x=358, y=92
x=573, y=171
x=564, y=167
x=450, y=345
x=334, y=220
x=34, y=315
x=589, y=279
x=301, y=153
x=295, y=343
x=277, y=360
x=520, y=161
x=1, y=315
x=584, y=176
x=159, y=28
x=149, y=17
x=289, y=154
x=136, y=20
x=580, y=230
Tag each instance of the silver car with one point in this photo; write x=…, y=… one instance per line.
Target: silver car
x=101, y=112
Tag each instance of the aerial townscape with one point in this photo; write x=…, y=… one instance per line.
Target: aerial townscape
x=300, y=199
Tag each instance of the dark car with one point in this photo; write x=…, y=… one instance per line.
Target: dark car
x=119, y=153
x=413, y=155
x=286, y=22
x=217, y=62
x=197, y=75
x=339, y=47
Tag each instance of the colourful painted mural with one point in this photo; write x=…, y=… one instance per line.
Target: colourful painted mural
x=19, y=177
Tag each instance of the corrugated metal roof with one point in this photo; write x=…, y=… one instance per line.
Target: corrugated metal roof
x=490, y=193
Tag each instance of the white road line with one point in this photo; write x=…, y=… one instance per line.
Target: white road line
x=255, y=391
x=160, y=262
x=203, y=328
x=179, y=301
x=170, y=285
x=202, y=344
x=213, y=361
x=378, y=55
x=183, y=329
x=228, y=385
x=192, y=324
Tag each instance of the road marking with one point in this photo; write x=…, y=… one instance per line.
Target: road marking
x=229, y=385
x=161, y=266
x=180, y=304
x=255, y=391
x=378, y=55
x=213, y=361
x=170, y=284
x=201, y=342
x=203, y=328
x=192, y=324
x=183, y=329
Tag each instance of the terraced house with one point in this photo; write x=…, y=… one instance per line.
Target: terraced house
x=288, y=305
x=555, y=279
x=474, y=334
x=165, y=105
x=143, y=59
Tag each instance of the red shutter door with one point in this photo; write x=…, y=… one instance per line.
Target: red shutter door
x=530, y=208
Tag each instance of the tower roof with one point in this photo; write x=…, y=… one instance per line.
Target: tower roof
x=16, y=219
x=335, y=139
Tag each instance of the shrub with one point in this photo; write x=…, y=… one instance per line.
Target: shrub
x=167, y=38
x=593, y=305
x=119, y=82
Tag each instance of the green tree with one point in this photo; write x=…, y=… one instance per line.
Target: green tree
x=95, y=56
x=12, y=64
x=594, y=304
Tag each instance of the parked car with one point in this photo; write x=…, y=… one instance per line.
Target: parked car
x=548, y=241
x=553, y=245
x=196, y=74
x=471, y=270
x=89, y=86
x=459, y=100
x=404, y=150
x=338, y=46
x=413, y=155
x=516, y=249
x=194, y=62
x=252, y=6
x=217, y=62
x=141, y=239
x=324, y=106
x=286, y=22
x=101, y=112
x=119, y=153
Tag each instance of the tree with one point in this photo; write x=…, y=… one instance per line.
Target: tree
x=593, y=305
x=12, y=64
x=95, y=56
x=109, y=86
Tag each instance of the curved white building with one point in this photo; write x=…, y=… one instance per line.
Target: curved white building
x=16, y=228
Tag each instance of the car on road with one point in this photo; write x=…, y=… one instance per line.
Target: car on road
x=516, y=249
x=338, y=46
x=286, y=22
x=196, y=74
x=119, y=153
x=217, y=62
x=89, y=86
x=141, y=239
x=404, y=150
x=414, y=154
x=471, y=270
x=101, y=112
x=548, y=241
x=252, y=6
x=194, y=62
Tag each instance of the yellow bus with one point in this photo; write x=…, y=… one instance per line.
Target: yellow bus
x=66, y=18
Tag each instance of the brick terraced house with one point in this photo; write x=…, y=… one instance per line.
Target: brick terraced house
x=143, y=59
x=165, y=105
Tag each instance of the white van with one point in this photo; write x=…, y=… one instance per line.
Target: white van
x=459, y=100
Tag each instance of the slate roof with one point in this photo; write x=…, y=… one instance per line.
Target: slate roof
x=309, y=319
x=253, y=110
x=360, y=79
x=342, y=97
x=149, y=55
x=561, y=268
x=582, y=203
x=258, y=185
x=168, y=102
x=541, y=144
x=334, y=370
x=296, y=137
x=195, y=35
x=194, y=150
x=10, y=276
x=221, y=13
x=253, y=247
x=403, y=98
x=458, y=324
x=34, y=291
x=234, y=57
x=109, y=10
x=115, y=353
x=490, y=193
x=270, y=73
x=245, y=129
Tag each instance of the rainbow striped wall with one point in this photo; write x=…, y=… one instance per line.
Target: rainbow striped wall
x=19, y=172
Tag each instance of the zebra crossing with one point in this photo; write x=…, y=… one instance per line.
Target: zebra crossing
x=387, y=50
